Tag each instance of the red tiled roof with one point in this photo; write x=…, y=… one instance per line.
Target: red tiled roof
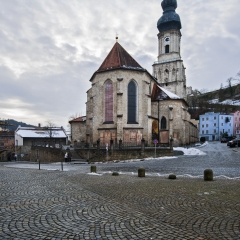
x=79, y=119
x=119, y=58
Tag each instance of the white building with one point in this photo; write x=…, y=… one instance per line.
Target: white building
x=42, y=136
x=213, y=125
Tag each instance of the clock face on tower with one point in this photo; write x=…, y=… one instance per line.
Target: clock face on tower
x=167, y=39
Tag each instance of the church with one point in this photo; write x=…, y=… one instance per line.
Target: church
x=126, y=102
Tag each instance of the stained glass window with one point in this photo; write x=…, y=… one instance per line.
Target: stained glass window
x=132, y=102
x=108, y=101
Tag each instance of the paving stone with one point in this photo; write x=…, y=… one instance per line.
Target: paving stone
x=75, y=205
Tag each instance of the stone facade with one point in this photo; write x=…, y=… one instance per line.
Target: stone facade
x=6, y=139
x=126, y=102
x=169, y=69
x=97, y=128
x=179, y=127
x=78, y=129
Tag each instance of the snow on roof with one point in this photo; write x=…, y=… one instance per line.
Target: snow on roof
x=31, y=132
x=170, y=94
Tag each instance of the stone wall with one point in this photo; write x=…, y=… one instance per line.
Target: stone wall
x=100, y=155
x=78, y=131
x=46, y=155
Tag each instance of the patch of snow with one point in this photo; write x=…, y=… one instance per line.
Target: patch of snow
x=189, y=151
x=214, y=101
x=204, y=144
x=225, y=102
x=95, y=174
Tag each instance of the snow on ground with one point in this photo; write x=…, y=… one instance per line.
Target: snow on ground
x=94, y=174
x=225, y=102
x=190, y=151
x=204, y=144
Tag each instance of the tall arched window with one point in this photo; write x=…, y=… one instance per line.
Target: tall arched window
x=108, y=102
x=167, y=49
x=132, y=102
x=163, y=123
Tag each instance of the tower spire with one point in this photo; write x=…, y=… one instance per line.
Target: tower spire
x=170, y=19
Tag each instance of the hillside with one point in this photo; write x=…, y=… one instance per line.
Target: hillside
x=224, y=100
x=12, y=124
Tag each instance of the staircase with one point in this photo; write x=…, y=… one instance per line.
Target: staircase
x=76, y=159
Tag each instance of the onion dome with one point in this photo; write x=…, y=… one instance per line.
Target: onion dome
x=170, y=19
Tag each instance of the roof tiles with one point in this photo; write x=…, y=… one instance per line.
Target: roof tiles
x=119, y=58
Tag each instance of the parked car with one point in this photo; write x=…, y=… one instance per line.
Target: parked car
x=224, y=140
x=234, y=143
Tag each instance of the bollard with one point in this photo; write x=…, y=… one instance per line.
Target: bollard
x=141, y=172
x=93, y=169
x=115, y=174
x=172, y=176
x=208, y=175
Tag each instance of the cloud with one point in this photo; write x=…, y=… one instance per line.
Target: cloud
x=50, y=49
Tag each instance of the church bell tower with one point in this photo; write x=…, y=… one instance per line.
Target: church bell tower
x=169, y=69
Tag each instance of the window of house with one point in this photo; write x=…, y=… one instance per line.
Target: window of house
x=108, y=102
x=203, y=125
x=228, y=130
x=206, y=125
x=214, y=124
x=207, y=131
x=132, y=102
x=167, y=49
x=207, y=119
x=163, y=123
x=222, y=124
x=202, y=131
x=202, y=119
x=214, y=118
x=215, y=130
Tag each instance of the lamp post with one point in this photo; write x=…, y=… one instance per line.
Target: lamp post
x=38, y=159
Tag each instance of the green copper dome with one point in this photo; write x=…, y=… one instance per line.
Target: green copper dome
x=170, y=19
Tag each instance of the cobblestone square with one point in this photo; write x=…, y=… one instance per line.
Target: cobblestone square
x=76, y=205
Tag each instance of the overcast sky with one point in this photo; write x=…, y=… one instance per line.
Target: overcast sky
x=49, y=49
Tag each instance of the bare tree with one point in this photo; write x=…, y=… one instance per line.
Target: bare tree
x=75, y=115
x=221, y=93
x=50, y=129
x=238, y=76
x=204, y=90
x=229, y=81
